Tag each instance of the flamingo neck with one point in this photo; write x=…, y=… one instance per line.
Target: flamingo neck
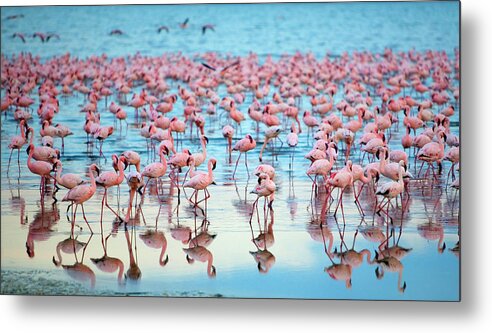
x=366, y=253
x=162, y=262
x=58, y=254
x=58, y=174
x=121, y=174
x=400, y=176
x=163, y=159
x=120, y=271
x=209, y=265
x=210, y=171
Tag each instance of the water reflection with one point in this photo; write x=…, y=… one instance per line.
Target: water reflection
x=78, y=270
x=109, y=264
x=41, y=227
x=133, y=273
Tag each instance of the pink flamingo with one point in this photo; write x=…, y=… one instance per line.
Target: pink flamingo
x=68, y=180
x=391, y=190
x=17, y=142
x=109, y=179
x=432, y=152
x=243, y=146
x=156, y=170
x=81, y=193
x=292, y=141
x=102, y=133
x=228, y=133
x=40, y=168
x=132, y=158
x=201, y=181
x=342, y=179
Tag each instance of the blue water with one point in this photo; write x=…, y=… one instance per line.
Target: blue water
x=263, y=28
x=298, y=272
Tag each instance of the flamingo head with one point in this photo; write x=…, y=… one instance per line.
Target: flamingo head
x=29, y=148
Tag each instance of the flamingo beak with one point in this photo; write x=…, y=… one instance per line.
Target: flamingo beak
x=206, y=139
x=166, y=260
x=189, y=260
x=378, y=274
x=214, y=165
x=214, y=271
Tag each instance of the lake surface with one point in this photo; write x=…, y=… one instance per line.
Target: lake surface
x=298, y=268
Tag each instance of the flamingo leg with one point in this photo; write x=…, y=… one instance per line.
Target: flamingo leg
x=234, y=173
x=85, y=218
x=10, y=157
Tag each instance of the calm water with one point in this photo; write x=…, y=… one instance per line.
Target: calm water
x=299, y=244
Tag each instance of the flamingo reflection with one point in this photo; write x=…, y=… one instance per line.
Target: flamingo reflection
x=40, y=228
x=109, y=264
x=157, y=240
x=79, y=271
x=202, y=254
x=133, y=273
x=264, y=258
x=390, y=264
x=68, y=246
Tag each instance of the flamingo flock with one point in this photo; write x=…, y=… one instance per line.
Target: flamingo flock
x=373, y=125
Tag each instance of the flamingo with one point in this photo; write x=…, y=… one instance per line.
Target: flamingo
x=40, y=168
x=81, y=193
x=391, y=189
x=243, y=146
x=68, y=180
x=271, y=133
x=342, y=179
x=228, y=133
x=17, y=142
x=109, y=179
x=201, y=181
x=157, y=169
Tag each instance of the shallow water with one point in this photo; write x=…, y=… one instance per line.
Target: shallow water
x=299, y=244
